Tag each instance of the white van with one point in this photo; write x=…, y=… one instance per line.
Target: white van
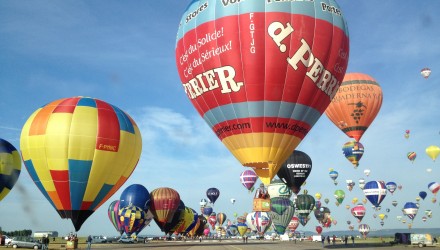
x=316, y=238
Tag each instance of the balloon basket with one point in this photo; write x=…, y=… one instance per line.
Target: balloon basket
x=261, y=205
x=72, y=244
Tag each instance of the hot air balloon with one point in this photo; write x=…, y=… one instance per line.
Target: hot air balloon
x=411, y=156
x=212, y=219
x=163, y=204
x=225, y=74
x=375, y=191
x=10, y=167
x=113, y=211
x=425, y=72
x=203, y=203
x=356, y=104
x=212, y=194
x=364, y=229
x=293, y=224
x=242, y=228
x=295, y=170
x=132, y=219
x=399, y=187
x=428, y=213
x=261, y=221
x=281, y=213
x=367, y=172
x=195, y=222
x=354, y=200
x=207, y=210
x=361, y=183
x=326, y=200
x=221, y=218
x=304, y=204
x=433, y=152
x=136, y=195
x=186, y=218
x=339, y=195
x=410, y=209
x=353, y=151
x=232, y=201
x=322, y=215
x=359, y=212
x=407, y=134
x=423, y=194
x=424, y=218
x=381, y=216
x=391, y=186
x=434, y=187
x=433, y=200
x=350, y=184
x=277, y=188
x=70, y=146
x=318, y=196
x=394, y=203
x=334, y=175
x=318, y=229
x=248, y=179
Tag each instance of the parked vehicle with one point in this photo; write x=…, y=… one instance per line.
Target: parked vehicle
x=125, y=239
x=25, y=242
x=99, y=239
x=421, y=240
x=7, y=240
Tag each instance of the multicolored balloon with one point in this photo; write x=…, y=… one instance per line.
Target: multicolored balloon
x=353, y=151
x=364, y=229
x=411, y=156
x=359, y=212
x=391, y=186
x=113, y=215
x=375, y=192
x=164, y=203
x=70, y=145
x=356, y=104
x=410, y=209
x=281, y=212
x=278, y=188
x=434, y=187
x=248, y=179
x=10, y=167
x=132, y=219
x=225, y=75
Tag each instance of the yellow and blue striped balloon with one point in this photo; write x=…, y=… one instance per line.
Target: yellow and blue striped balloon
x=10, y=167
x=79, y=151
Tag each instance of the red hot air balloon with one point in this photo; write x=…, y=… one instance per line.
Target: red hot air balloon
x=230, y=53
x=293, y=224
x=163, y=204
x=318, y=229
x=248, y=179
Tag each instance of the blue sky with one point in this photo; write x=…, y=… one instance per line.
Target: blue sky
x=123, y=53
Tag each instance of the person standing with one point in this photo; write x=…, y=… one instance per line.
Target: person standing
x=322, y=240
x=346, y=239
x=89, y=242
x=352, y=239
x=46, y=242
x=334, y=239
x=328, y=239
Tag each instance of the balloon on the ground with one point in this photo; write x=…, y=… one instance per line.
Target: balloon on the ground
x=10, y=167
x=113, y=215
x=242, y=228
x=136, y=195
x=295, y=170
x=356, y=104
x=293, y=224
x=132, y=219
x=226, y=75
x=261, y=221
x=70, y=146
x=281, y=212
x=353, y=151
x=163, y=204
x=375, y=192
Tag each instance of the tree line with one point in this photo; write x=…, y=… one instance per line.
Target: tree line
x=24, y=232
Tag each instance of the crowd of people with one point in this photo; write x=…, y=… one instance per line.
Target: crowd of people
x=333, y=239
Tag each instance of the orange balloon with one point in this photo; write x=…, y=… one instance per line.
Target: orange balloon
x=356, y=104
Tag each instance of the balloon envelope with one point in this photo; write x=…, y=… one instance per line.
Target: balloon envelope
x=212, y=194
x=248, y=179
x=295, y=170
x=132, y=219
x=113, y=215
x=70, y=146
x=136, y=195
x=375, y=191
x=356, y=104
x=353, y=151
x=164, y=203
x=226, y=69
x=425, y=72
x=10, y=167
x=433, y=152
